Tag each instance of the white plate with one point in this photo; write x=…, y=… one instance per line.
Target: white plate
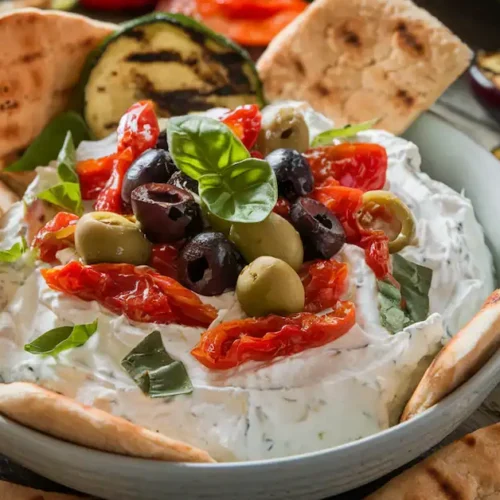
x=448, y=156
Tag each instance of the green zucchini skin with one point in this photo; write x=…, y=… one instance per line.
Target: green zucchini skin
x=171, y=59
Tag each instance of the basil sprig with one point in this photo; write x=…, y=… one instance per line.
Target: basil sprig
x=154, y=371
x=15, y=252
x=233, y=185
x=47, y=145
x=67, y=193
x=326, y=138
x=410, y=304
x=61, y=339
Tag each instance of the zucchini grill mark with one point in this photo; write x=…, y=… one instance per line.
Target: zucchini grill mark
x=226, y=77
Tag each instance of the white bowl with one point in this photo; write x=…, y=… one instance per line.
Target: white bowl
x=448, y=156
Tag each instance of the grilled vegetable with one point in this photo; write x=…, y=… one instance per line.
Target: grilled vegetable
x=170, y=59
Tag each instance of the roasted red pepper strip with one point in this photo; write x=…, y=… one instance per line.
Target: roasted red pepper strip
x=94, y=174
x=110, y=197
x=164, y=259
x=324, y=283
x=263, y=339
x=138, y=292
x=138, y=128
x=346, y=204
x=57, y=234
x=249, y=22
x=360, y=166
x=245, y=122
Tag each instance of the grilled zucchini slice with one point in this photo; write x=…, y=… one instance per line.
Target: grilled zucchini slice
x=171, y=59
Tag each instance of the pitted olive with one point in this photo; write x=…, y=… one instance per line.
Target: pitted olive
x=109, y=237
x=274, y=237
x=282, y=128
x=154, y=165
x=270, y=286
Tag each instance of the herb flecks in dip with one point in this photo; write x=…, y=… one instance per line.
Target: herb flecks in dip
x=306, y=400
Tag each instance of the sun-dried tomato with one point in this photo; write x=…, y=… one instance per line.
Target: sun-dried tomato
x=138, y=128
x=263, y=339
x=138, y=292
x=360, y=166
x=57, y=234
x=164, y=259
x=325, y=281
x=245, y=122
x=282, y=208
x=110, y=197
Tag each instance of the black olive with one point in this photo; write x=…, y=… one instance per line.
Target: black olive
x=183, y=181
x=154, y=165
x=166, y=213
x=162, y=142
x=318, y=226
x=293, y=173
x=209, y=264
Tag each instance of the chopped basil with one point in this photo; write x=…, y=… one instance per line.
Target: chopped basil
x=47, y=145
x=154, y=371
x=14, y=252
x=233, y=185
x=67, y=193
x=326, y=138
x=410, y=304
x=61, y=339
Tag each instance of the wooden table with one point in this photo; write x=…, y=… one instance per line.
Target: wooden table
x=477, y=23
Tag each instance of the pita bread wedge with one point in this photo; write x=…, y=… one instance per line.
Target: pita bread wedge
x=468, y=469
x=59, y=416
x=9, y=491
x=355, y=60
x=42, y=54
x=464, y=354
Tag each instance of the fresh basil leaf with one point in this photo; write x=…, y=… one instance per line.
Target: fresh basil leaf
x=66, y=195
x=233, y=186
x=415, y=281
x=14, y=252
x=326, y=138
x=66, y=161
x=246, y=192
x=47, y=145
x=200, y=145
x=61, y=339
x=154, y=371
x=403, y=307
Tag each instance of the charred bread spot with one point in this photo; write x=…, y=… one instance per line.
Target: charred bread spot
x=11, y=131
x=408, y=41
x=88, y=42
x=404, y=97
x=444, y=484
x=33, y=56
x=37, y=78
x=101, y=89
x=351, y=38
x=321, y=90
x=8, y=104
x=299, y=67
x=469, y=440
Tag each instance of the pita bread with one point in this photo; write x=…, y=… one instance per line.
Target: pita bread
x=468, y=469
x=9, y=491
x=464, y=354
x=355, y=60
x=42, y=54
x=60, y=416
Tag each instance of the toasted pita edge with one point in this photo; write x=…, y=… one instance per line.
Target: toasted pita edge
x=365, y=63
x=65, y=418
x=11, y=491
x=42, y=54
x=462, y=356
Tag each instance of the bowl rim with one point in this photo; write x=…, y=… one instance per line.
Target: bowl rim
x=488, y=372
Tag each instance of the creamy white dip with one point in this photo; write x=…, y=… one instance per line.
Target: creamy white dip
x=319, y=398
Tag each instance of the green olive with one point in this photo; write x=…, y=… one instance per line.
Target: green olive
x=109, y=237
x=402, y=214
x=274, y=237
x=282, y=128
x=269, y=286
